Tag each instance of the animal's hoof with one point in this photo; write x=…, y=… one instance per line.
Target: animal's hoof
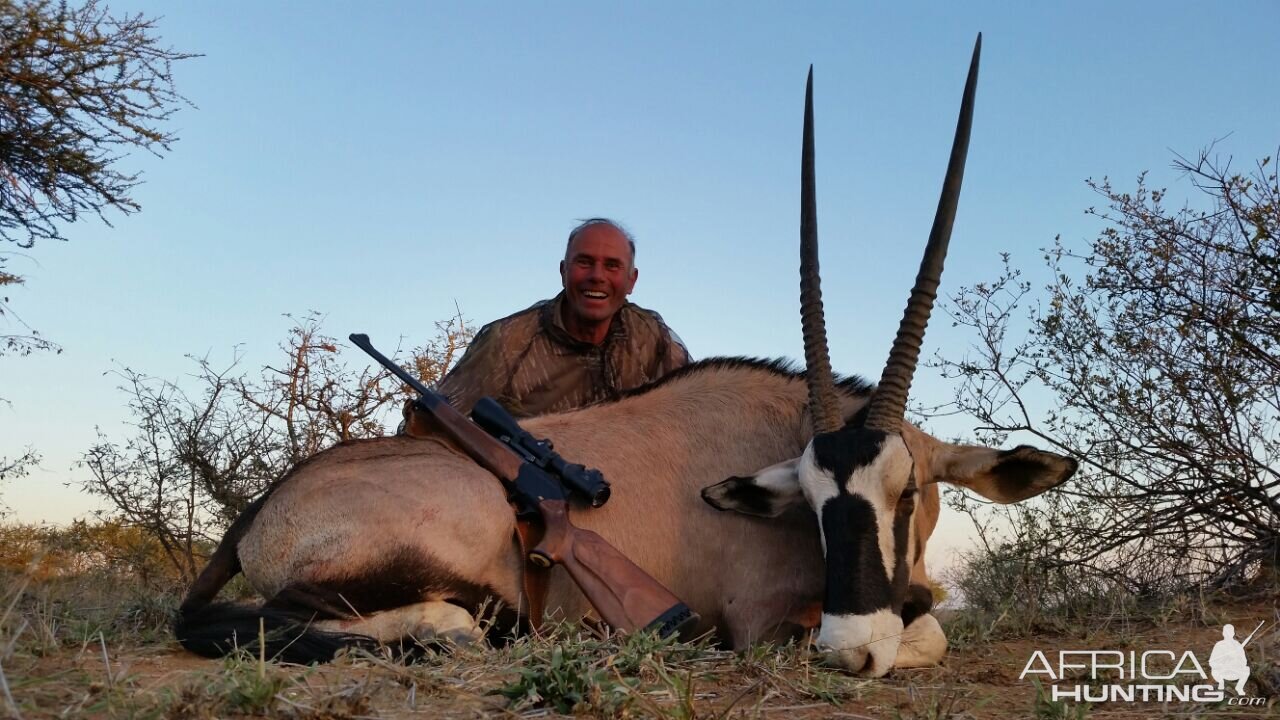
x=461, y=637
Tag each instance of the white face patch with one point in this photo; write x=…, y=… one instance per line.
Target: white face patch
x=866, y=642
x=818, y=486
x=889, y=471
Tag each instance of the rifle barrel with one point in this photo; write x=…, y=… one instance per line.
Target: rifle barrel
x=361, y=341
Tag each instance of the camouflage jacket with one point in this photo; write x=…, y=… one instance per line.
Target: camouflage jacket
x=530, y=364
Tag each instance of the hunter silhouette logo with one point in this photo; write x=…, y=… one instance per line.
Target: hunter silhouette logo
x=1148, y=676
x=1227, y=661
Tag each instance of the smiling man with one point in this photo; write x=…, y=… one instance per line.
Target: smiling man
x=585, y=345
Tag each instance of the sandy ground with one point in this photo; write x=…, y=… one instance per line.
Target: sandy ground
x=976, y=680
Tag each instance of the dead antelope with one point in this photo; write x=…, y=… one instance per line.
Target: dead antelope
x=395, y=537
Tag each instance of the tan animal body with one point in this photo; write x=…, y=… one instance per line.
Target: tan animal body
x=378, y=525
x=401, y=537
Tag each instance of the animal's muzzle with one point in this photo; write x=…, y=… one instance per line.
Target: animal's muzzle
x=866, y=645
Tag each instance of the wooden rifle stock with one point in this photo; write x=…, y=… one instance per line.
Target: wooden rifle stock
x=626, y=597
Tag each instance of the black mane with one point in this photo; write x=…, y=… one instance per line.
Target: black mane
x=783, y=367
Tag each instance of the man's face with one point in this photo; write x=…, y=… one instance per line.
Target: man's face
x=597, y=274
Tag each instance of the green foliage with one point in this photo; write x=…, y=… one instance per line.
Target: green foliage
x=565, y=676
x=572, y=672
x=1016, y=589
x=248, y=685
x=943, y=703
x=801, y=671
x=1046, y=708
x=72, y=610
x=1152, y=352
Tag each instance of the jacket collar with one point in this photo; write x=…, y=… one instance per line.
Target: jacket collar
x=550, y=319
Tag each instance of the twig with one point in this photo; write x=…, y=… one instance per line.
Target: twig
x=262, y=647
x=738, y=698
x=13, y=602
x=8, y=696
x=651, y=706
x=291, y=703
x=106, y=660
x=13, y=641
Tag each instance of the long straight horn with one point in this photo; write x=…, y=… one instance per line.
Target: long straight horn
x=817, y=358
x=890, y=401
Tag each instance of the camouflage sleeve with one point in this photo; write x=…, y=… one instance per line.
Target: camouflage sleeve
x=677, y=355
x=674, y=354
x=481, y=371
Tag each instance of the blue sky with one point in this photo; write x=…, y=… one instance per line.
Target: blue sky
x=380, y=165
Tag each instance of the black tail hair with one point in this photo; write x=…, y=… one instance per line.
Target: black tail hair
x=218, y=629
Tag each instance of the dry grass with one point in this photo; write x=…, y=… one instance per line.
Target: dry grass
x=99, y=647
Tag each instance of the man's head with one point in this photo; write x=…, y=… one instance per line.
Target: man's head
x=598, y=272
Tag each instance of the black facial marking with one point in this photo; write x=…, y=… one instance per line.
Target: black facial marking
x=901, y=539
x=856, y=580
x=741, y=495
x=919, y=601
x=845, y=450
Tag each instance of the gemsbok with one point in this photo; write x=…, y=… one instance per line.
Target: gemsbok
x=832, y=498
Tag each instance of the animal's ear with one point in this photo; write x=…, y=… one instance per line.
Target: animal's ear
x=768, y=493
x=1005, y=476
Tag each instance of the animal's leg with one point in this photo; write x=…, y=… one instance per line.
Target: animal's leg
x=431, y=620
x=923, y=643
x=746, y=624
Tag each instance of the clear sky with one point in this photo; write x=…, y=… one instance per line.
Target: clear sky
x=381, y=164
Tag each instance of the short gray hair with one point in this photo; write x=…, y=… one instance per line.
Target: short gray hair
x=573, y=234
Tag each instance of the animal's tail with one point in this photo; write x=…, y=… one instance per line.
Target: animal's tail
x=217, y=629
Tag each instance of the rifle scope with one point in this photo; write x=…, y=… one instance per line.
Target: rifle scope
x=496, y=421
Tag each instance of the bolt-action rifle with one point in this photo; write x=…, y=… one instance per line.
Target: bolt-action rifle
x=625, y=596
